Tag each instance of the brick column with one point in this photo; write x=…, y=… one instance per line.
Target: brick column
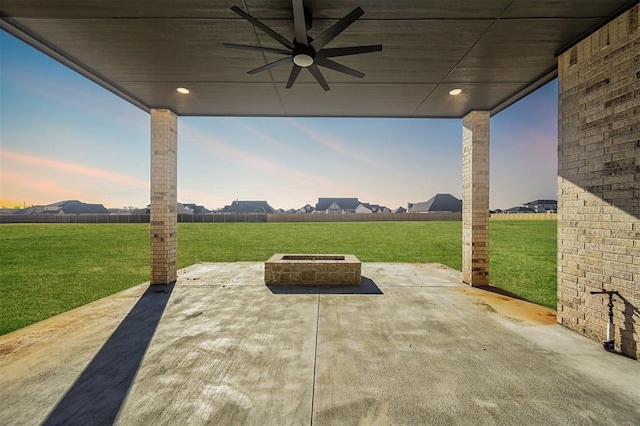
x=475, y=199
x=164, y=237
x=599, y=182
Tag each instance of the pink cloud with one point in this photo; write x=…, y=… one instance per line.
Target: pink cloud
x=72, y=168
x=336, y=145
x=33, y=189
x=249, y=160
x=262, y=136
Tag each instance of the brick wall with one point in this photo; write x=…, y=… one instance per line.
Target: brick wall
x=599, y=182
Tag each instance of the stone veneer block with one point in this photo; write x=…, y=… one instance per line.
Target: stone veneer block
x=475, y=199
x=163, y=216
x=599, y=182
x=312, y=269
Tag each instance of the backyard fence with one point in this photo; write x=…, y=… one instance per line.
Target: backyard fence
x=362, y=217
x=524, y=216
x=74, y=218
x=224, y=218
x=129, y=218
x=262, y=217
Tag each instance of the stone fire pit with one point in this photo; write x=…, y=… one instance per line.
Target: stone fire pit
x=312, y=269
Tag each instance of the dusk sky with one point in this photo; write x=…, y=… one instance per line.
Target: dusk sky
x=63, y=137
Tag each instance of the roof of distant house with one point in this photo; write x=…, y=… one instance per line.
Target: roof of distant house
x=536, y=202
x=307, y=208
x=67, y=207
x=194, y=208
x=146, y=210
x=344, y=203
x=182, y=209
x=437, y=203
x=519, y=209
x=375, y=208
x=248, y=207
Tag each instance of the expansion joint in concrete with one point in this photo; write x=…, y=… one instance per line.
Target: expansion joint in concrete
x=315, y=359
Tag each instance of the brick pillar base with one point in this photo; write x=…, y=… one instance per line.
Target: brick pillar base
x=475, y=199
x=164, y=218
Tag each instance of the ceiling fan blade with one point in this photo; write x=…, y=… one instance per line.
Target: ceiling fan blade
x=344, y=51
x=259, y=48
x=336, y=29
x=277, y=37
x=299, y=22
x=277, y=63
x=328, y=63
x=315, y=72
x=295, y=71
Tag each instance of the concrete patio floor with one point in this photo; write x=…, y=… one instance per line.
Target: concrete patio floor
x=411, y=345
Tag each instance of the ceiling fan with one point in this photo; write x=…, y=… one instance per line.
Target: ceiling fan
x=304, y=51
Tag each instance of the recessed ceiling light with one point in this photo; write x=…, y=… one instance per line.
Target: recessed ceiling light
x=454, y=92
x=183, y=90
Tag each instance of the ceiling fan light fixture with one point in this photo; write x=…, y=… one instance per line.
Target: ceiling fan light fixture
x=183, y=90
x=455, y=92
x=303, y=60
x=303, y=50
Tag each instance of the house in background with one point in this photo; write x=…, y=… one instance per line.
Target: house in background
x=181, y=209
x=400, y=210
x=193, y=208
x=248, y=207
x=5, y=210
x=518, y=209
x=536, y=206
x=189, y=208
x=439, y=203
x=306, y=209
x=543, y=206
x=372, y=208
x=66, y=207
x=337, y=205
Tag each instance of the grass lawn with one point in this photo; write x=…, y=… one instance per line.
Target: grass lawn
x=370, y=241
x=51, y=268
x=522, y=259
x=46, y=269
